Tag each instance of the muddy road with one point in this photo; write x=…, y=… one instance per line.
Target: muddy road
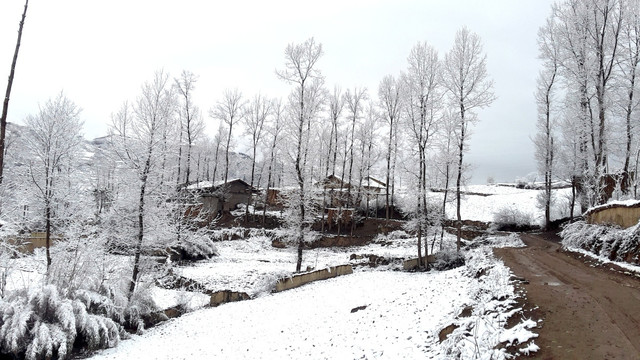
x=589, y=312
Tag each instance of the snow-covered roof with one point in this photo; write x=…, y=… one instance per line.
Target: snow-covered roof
x=372, y=182
x=200, y=185
x=209, y=184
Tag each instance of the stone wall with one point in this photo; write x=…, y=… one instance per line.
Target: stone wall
x=305, y=278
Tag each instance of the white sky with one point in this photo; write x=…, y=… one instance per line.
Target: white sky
x=100, y=52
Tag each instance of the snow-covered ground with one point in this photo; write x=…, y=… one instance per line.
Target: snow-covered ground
x=401, y=319
x=253, y=266
x=483, y=208
x=400, y=313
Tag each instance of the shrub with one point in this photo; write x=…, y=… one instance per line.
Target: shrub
x=610, y=242
x=195, y=246
x=512, y=216
x=447, y=260
x=40, y=323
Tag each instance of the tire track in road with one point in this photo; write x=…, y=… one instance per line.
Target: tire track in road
x=589, y=312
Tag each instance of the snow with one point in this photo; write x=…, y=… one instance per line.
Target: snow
x=400, y=320
x=200, y=185
x=494, y=198
x=166, y=299
x=605, y=260
x=252, y=265
x=369, y=314
x=620, y=203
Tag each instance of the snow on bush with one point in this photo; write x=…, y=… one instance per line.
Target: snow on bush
x=40, y=323
x=513, y=216
x=477, y=336
x=196, y=245
x=447, y=260
x=394, y=235
x=81, y=302
x=610, y=242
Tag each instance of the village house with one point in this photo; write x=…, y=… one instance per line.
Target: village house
x=213, y=198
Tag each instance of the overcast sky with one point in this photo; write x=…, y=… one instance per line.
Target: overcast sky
x=100, y=52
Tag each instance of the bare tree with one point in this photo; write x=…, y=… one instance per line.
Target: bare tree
x=629, y=62
x=544, y=140
x=274, y=128
x=605, y=33
x=390, y=96
x=229, y=110
x=257, y=112
x=354, y=101
x=54, y=139
x=300, y=70
x=5, y=103
x=191, y=124
x=469, y=88
x=423, y=100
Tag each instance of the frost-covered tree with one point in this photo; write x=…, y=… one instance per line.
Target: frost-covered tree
x=355, y=103
x=53, y=142
x=257, y=111
x=229, y=110
x=544, y=141
x=273, y=129
x=469, y=89
x=191, y=124
x=423, y=98
x=390, y=94
x=137, y=132
x=628, y=64
x=301, y=71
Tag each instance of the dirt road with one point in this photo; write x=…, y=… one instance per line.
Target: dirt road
x=588, y=312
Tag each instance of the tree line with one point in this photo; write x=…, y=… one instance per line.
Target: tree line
x=587, y=96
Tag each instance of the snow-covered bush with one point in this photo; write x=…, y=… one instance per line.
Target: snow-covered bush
x=610, y=242
x=394, y=235
x=194, y=245
x=83, y=270
x=512, y=216
x=446, y=260
x=39, y=323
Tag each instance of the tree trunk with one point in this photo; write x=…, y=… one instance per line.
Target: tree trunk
x=387, y=214
x=459, y=177
x=253, y=170
x=300, y=175
x=136, y=260
x=47, y=214
x=5, y=104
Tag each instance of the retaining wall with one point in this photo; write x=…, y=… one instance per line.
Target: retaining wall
x=413, y=263
x=225, y=296
x=301, y=279
x=622, y=216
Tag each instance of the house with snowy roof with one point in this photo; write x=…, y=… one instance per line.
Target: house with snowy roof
x=217, y=197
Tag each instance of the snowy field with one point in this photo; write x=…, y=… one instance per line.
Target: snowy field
x=483, y=208
x=401, y=320
x=401, y=317
x=252, y=265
